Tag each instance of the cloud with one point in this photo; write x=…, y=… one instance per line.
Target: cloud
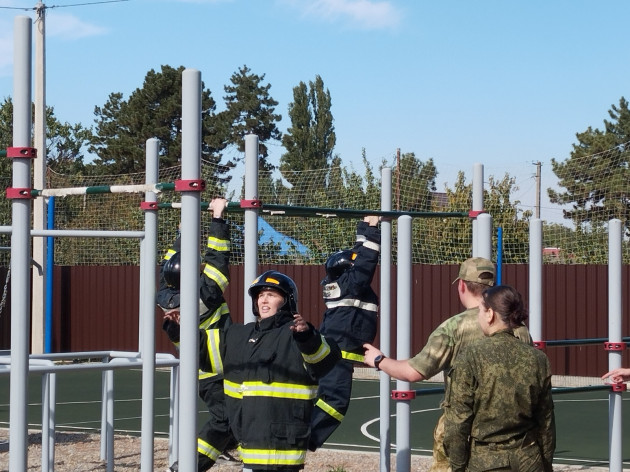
x=364, y=14
x=70, y=27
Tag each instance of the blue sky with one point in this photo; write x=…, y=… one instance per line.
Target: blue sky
x=502, y=82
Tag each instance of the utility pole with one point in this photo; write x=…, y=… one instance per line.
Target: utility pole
x=538, y=165
x=39, y=181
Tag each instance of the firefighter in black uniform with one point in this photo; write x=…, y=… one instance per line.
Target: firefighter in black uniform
x=215, y=435
x=350, y=320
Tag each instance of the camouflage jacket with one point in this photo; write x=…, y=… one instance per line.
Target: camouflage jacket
x=500, y=390
x=448, y=339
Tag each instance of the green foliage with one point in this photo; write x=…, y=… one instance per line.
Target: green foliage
x=153, y=111
x=596, y=177
x=250, y=110
x=310, y=139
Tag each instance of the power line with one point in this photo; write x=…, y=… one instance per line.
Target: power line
x=38, y=6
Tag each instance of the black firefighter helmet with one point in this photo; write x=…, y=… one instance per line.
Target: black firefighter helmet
x=172, y=269
x=337, y=264
x=276, y=280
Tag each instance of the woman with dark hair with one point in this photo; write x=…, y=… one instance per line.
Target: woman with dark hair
x=498, y=407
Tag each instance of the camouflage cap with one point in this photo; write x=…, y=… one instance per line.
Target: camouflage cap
x=477, y=269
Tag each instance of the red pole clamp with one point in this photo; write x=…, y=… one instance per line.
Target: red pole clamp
x=403, y=394
x=540, y=344
x=618, y=387
x=19, y=193
x=148, y=205
x=25, y=152
x=475, y=213
x=195, y=185
x=251, y=204
x=614, y=346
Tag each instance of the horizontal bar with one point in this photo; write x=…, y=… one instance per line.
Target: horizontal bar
x=78, y=233
x=288, y=210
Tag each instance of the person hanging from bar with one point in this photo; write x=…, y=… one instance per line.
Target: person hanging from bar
x=350, y=320
x=215, y=438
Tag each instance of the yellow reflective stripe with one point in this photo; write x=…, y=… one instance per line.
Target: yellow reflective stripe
x=216, y=316
x=272, y=456
x=321, y=404
x=274, y=389
x=169, y=254
x=217, y=244
x=214, y=274
x=207, y=450
x=206, y=375
x=232, y=389
x=213, y=351
x=318, y=355
x=351, y=356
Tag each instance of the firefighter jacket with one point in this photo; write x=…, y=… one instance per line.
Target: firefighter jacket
x=270, y=381
x=351, y=305
x=213, y=310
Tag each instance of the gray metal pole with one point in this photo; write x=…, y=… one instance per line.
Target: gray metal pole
x=148, y=262
x=20, y=247
x=109, y=420
x=484, y=236
x=39, y=171
x=403, y=337
x=477, y=204
x=535, y=279
x=614, y=336
x=189, y=296
x=250, y=268
x=385, y=314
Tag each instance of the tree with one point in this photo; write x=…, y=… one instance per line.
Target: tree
x=250, y=109
x=155, y=110
x=449, y=240
x=414, y=182
x=311, y=138
x=596, y=176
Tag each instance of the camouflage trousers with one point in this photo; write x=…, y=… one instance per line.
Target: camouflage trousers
x=440, y=461
x=521, y=455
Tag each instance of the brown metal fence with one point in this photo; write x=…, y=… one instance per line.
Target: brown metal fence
x=96, y=308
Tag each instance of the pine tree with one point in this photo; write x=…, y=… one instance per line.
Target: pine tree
x=155, y=110
x=250, y=109
x=596, y=177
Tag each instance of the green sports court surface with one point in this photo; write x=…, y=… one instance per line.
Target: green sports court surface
x=581, y=418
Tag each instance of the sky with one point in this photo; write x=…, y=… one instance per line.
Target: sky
x=504, y=83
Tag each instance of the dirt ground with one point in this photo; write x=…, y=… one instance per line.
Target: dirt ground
x=78, y=452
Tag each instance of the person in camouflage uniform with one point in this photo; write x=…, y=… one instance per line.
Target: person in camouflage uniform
x=498, y=407
x=445, y=342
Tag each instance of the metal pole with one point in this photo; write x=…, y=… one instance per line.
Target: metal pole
x=250, y=268
x=499, y=277
x=538, y=164
x=148, y=263
x=20, y=247
x=484, y=236
x=403, y=336
x=477, y=205
x=50, y=264
x=189, y=296
x=535, y=279
x=39, y=172
x=614, y=336
x=385, y=315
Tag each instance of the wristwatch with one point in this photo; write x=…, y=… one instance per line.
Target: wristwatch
x=377, y=360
